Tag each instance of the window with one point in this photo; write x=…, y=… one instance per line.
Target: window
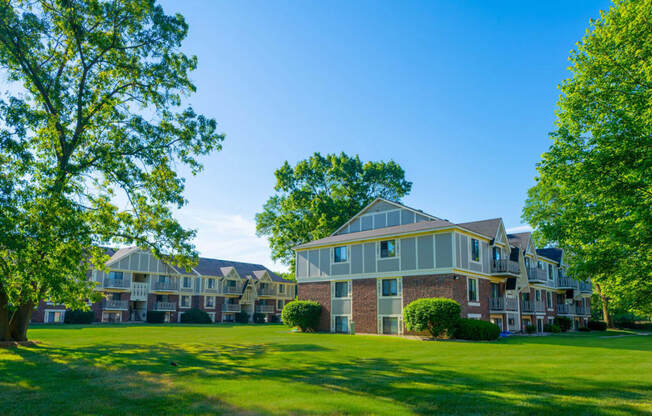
x=185, y=301
x=341, y=324
x=388, y=248
x=539, y=265
x=187, y=282
x=390, y=287
x=279, y=304
x=163, y=279
x=55, y=317
x=390, y=325
x=114, y=296
x=538, y=295
x=115, y=275
x=210, y=283
x=341, y=289
x=473, y=289
x=162, y=298
x=550, y=277
x=527, y=262
x=281, y=288
x=475, y=250
x=549, y=299
x=496, y=253
x=231, y=283
x=495, y=290
x=209, y=301
x=340, y=254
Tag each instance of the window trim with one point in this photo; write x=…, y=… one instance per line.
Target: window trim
x=181, y=303
x=476, y=301
x=479, y=260
x=382, y=295
x=346, y=250
x=348, y=324
x=183, y=281
x=348, y=289
x=396, y=249
x=399, y=319
x=206, y=306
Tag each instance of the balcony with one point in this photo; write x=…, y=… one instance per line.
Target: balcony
x=564, y=309
x=527, y=306
x=231, y=307
x=116, y=283
x=539, y=306
x=265, y=309
x=511, y=304
x=116, y=305
x=580, y=310
x=139, y=291
x=536, y=275
x=213, y=290
x=585, y=287
x=267, y=291
x=233, y=290
x=167, y=286
x=165, y=306
x=505, y=267
x=567, y=283
x=496, y=303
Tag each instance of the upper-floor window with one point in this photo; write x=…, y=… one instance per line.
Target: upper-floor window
x=187, y=282
x=210, y=283
x=115, y=296
x=281, y=288
x=115, y=275
x=388, y=248
x=340, y=255
x=279, y=304
x=162, y=298
x=537, y=294
x=341, y=289
x=496, y=253
x=475, y=250
x=390, y=287
x=550, y=276
x=539, y=265
x=185, y=301
x=473, y=289
x=549, y=299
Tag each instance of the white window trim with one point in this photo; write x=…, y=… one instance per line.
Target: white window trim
x=348, y=257
x=212, y=315
x=349, y=290
x=61, y=311
x=473, y=302
x=474, y=315
x=206, y=302
x=214, y=283
x=189, y=303
x=399, y=288
x=397, y=250
x=348, y=323
x=479, y=261
x=183, y=280
x=400, y=324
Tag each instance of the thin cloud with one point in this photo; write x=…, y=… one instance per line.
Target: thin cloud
x=519, y=229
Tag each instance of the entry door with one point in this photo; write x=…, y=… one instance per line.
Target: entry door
x=539, y=325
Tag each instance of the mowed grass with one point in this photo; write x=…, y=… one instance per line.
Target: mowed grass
x=246, y=369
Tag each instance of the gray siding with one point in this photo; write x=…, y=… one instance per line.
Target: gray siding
x=407, y=217
x=356, y=259
x=380, y=206
x=463, y=248
x=393, y=218
x=485, y=256
x=380, y=220
x=302, y=263
x=426, y=252
x=421, y=218
x=354, y=227
x=367, y=223
x=324, y=261
x=408, y=253
x=444, y=250
x=370, y=258
x=388, y=265
x=339, y=269
x=313, y=260
x=389, y=306
x=341, y=307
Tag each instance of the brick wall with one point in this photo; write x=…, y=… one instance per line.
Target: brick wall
x=38, y=316
x=319, y=292
x=364, y=306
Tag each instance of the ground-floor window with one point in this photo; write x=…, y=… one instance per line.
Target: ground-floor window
x=474, y=316
x=342, y=324
x=111, y=317
x=212, y=315
x=279, y=304
x=498, y=321
x=54, y=317
x=539, y=324
x=390, y=325
x=228, y=317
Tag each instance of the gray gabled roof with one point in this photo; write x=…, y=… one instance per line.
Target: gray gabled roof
x=551, y=253
x=519, y=240
x=488, y=228
x=214, y=267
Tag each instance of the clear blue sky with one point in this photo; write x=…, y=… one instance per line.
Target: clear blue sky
x=461, y=94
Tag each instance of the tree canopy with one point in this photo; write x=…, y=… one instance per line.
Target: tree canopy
x=321, y=193
x=594, y=187
x=94, y=131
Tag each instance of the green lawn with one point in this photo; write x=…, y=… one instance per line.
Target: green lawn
x=229, y=369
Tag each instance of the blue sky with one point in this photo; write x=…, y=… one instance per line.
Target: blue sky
x=461, y=94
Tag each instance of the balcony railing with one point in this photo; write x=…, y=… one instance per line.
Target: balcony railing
x=585, y=287
x=231, y=307
x=117, y=283
x=116, y=305
x=233, y=290
x=167, y=286
x=511, y=304
x=165, y=306
x=535, y=274
x=564, y=309
x=539, y=306
x=265, y=308
x=527, y=306
x=567, y=283
x=267, y=291
x=580, y=310
x=496, y=303
x=213, y=289
x=505, y=266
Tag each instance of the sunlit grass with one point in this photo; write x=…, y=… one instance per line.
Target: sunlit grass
x=230, y=369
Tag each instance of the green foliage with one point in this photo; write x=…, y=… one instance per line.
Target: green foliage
x=155, y=317
x=303, y=314
x=79, y=317
x=319, y=194
x=195, y=316
x=476, y=330
x=275, y=319
x=530, y=329
x=583, y=329
x=242, y=317
x=564, y=323
x=92, y=136
x=555, y=329
x=597, y=326
x=438, y=316
x=594, y=187
x=259, y=318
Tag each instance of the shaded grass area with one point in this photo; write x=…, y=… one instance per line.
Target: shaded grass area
x=245, y=369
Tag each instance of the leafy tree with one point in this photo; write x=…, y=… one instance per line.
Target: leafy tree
x=319, y=194
x=93, y=131
x=594, y=186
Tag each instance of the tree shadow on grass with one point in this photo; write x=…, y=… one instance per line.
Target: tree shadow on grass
x=140, y=379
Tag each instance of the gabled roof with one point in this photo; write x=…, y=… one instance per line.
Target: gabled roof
x=488, y=228
x=123, y=252
x=519, y=240
x=551, y=253
x=219, y=268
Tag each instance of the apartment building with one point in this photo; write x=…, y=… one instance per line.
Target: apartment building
x=389, y=255
x=137, y=282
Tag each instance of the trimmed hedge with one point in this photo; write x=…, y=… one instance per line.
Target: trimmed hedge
x=530, y=329
x=259, y=318
x=583, y=329
x=242, y=317
x=303, y=314
x=438, y=316
x=564, y=323
x=195, y=316
x=155, y=317
x=476, y=330
x=275, y=319
x=552, y=328
x=597, y=326
x=79, y=317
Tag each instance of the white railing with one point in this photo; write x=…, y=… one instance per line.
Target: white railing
x=138, y=291
x=233, y=290
x=117, y=283
x=167, y=286
x=265, y=308
x=120, y=305
x=539, y=306
x=496, y=303
x=564, y=309
x=511, y=304
x=505, y=266
x=231, y=307
x=267, y=291
x=165, y=306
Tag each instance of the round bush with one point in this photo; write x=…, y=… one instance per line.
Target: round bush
x=303, y=314
x=551, y=328
x=438, y=316
x=564, y=323
x=476, y=330
x=195, y=316
x=597, y=326
x=155, y=317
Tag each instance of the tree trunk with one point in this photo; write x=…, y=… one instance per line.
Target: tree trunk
x=4, y=318
x=20, y=321
x=605, y=307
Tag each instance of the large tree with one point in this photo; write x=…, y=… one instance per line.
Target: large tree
x=93, y=133
x=593, y=194
x=319, y=194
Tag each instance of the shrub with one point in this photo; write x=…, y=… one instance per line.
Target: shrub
x=259, y=318
x=597, y=325
x=476, y=330
x=275, y=319
x=564, y=323
x=155, y=317
x=79, y=317
x=530, y=329
x=583, y=329
x=242, y=317
x=438, y=316
x=195, y=316
x=303, y=314
x=555, y=329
